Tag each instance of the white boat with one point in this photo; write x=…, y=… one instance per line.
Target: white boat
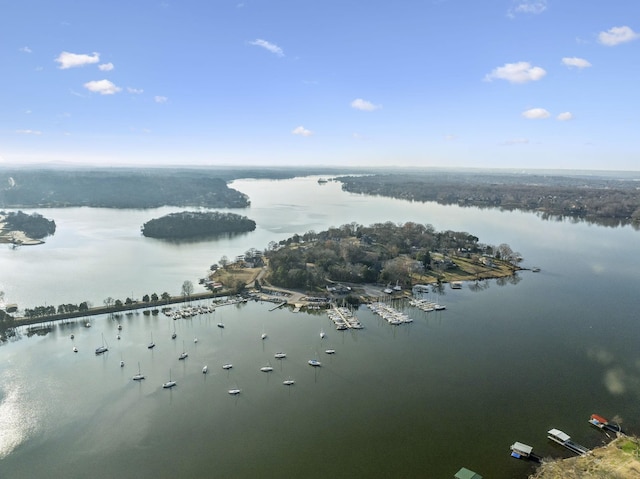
x=314, y=362
x=119, y=327
x=263, y=336
x=184, y=354
x=266, y=369
x=234, y=392
x=288, y=382
x=174, y=335
x=169, y=384
x=151, y=345
x=330, y=351
x=195, y=340
x=121, y=363
x=322, y=334
x=118, y=336
x=227, y=366
x=139, y=376
x=102, y=349
x=75, y=350
x=205, y=369
x=280, y=355
x=221, y=325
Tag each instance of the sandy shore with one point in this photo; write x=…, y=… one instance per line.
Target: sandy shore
x=17, y=237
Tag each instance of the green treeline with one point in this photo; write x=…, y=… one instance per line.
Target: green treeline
x=34, y=225
x=188, y=224
x=606, y=201
x=383, y=252
x=117, y=188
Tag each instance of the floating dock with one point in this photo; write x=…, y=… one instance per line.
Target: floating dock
x=564, y=439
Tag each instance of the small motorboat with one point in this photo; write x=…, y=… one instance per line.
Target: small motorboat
x=288, y=382
x=314, y=362
x=227, y=366
x=330, y=351
x=234, y=392
x=266, y=369
x=205, y=369
x=221, y=325
x=280, y=355
x=75, y=350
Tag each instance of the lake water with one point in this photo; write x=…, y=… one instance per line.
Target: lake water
x=505, y=362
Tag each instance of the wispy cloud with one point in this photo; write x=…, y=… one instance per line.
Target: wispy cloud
x=364, y=105
x=520, y=72
x=160, y=99
x=71, y=60
x=105, y=67
x=616, y=35
x=515, y=141
x=25, y=49
x=565, y=116
x=302, y=131
x=536, y=114
x=273, y=48
x=104, y=87
x=530, y=7
x=135, y=91
x=576, y=62
x=29, y=132
x=450, y=137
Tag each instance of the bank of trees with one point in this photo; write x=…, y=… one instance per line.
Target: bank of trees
x=189, y=224
x=383, y=252
x=602, y=200
x=117, y=188
x=34, y=225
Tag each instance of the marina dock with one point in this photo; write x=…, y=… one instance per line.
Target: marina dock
x=564, y=439
x=389, y=313
x=343, y=318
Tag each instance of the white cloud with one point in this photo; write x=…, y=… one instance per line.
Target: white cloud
x=135, y=91
x=104, y=87
x=106, y=67
x=160, y=99
x=364, y=105
x=565, y=116
x=29, y=132
x=521, y=72
x=268, y=46
x=25, y=49
x=536, y=114
x=516, y=141
x=302, y=131
x=576, y=62
x=533, y=7
x=617, y=35
x=70, y=60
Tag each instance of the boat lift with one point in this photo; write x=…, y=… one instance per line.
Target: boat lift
x=564, y=439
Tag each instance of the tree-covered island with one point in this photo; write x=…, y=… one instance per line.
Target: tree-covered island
x=189, y=224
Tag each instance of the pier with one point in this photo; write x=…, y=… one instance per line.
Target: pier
x=343, y=318
x=389, y=313
x=564, y=439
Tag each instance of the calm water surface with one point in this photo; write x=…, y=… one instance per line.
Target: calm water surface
x=505, y=362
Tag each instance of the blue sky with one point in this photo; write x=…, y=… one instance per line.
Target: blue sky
x=443, y=83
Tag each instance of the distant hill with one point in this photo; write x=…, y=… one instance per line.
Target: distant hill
x=119, y=188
